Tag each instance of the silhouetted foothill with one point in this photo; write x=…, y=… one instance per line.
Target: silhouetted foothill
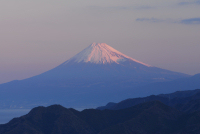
x=151, y=117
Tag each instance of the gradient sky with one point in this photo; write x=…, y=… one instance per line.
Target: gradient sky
x=38, y=35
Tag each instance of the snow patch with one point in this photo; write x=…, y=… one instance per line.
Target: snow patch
x=101, y=53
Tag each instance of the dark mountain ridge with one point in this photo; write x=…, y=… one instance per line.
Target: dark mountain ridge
x=56, y=119
x=178, y=100
x=151, y=117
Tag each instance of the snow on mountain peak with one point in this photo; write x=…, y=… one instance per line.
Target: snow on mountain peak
x=101, y=53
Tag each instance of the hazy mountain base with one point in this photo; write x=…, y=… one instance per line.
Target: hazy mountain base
x=17, y=94
x=147, y=118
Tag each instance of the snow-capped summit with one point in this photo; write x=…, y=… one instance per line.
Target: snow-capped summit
x=101, y=53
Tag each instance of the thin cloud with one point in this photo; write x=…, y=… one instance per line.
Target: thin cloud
x=190, y=21
x=155, y=20
x=120, y=8
x=196, y=2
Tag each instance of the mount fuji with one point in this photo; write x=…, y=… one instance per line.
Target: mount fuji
x=95, y=76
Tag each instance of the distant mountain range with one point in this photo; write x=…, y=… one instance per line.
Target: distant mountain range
x=142, y=117
x=97, y=72
x=185, y=101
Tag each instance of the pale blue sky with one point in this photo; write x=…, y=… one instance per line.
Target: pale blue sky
x=39, y=35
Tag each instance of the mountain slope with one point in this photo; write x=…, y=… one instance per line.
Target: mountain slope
x=156, y=118
x=97, y=72
x=51, y=120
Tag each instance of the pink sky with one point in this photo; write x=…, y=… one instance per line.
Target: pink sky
x=39, y=35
